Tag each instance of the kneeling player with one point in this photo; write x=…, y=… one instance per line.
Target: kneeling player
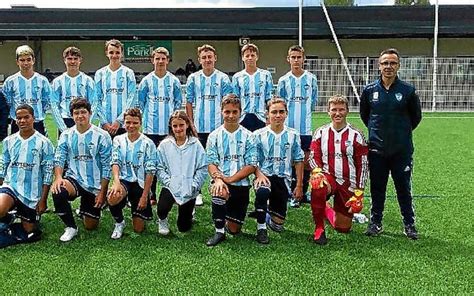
x=339, y=162
x=231, y=158
x=181, y=169
x=25, y=172
x=133, y=169
x=278, y=149
x=87, y=150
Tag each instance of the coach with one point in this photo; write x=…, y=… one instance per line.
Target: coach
x=390, y=108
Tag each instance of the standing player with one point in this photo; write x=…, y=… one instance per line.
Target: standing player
x=70, y=85
x=133, y=169
x=87, y=150
x=231, y=157
x=299, y=88
x=27, y=87
x=339, y=162
x=278, y=150
x=159, y=94
x=115, y=88
x=391, y=110
x=205, y=90
x=254, y=87
x=182, y=171
x=25, y=177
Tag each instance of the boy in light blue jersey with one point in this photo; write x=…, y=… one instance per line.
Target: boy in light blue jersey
x=159, y=95
x=70, y=85
x=27, y=87
x=231, y=157
x=87, y=151
x=115, y=88
x=278, y=150
x=182, y=169
x=205, y=90
x=299, y=88
x=25, y=177
x=254, y=87
x=133, y=169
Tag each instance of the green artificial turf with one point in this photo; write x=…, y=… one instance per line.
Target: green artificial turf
x=440, y=262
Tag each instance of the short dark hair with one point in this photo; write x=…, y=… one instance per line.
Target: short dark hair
x=276, y=100
x=231, y=99
x=390, y=51
x=133, y=112
x=79, y=103
x=27, y=108
x=72, y=51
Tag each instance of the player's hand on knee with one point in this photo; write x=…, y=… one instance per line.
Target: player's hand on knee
x=261, y=181
x=57, y=184
x=219, y=188
x=142, y=202
x=41, y=207
x=99, y=200
x=356, y=202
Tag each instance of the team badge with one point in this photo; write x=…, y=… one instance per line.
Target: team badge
x=375, y=96
x=139, y=154
x=306, y=86
x=91, y=146
x=399, y=96
x=34, y=152
x=348, y=143
x=287, y=146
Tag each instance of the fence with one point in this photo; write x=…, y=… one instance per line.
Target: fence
x=455, y=90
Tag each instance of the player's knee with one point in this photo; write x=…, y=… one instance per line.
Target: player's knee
x=61, y=201
x=233, y=228
x=90, y=223
x=343, y=223
x=342, y=229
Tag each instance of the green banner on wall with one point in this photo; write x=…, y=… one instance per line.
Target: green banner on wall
x=139, y=51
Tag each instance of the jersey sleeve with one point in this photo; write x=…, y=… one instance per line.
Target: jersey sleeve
x=190, y=95
x=116, y=158
x=177, y=94
x=105, y=154
x=211, y=150
x=297, y=153
x=269, y=87
x=47, y=163
x=131, y=95
x=250, y=157
x=360, y=160
x=281, y=90
x=414, y=109
x=150, y=159
x=5, y=160
x=55, y=97
x=91, y=97
x=142, y=95
x=316, y=155
x=99, y=95
x=162, y=170
x=235, y=85
x=314, y=94
x=61, y=152
x=364, y=107
x=46, y=95
x=226, y=85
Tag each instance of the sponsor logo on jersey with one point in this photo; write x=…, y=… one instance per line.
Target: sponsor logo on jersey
x=375, y=96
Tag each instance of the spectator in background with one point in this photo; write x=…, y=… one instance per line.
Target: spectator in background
x=190, y=67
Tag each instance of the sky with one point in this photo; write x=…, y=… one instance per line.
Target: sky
x=188, y=3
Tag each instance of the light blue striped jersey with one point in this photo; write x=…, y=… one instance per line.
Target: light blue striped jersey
x=115, y=92
x=254, y=91
x=87, y=155
x=135, y=159
x=230, y=152
x=182, y=169
x=27, y=165
x=301, y=96
x=278, y=152
x=65, y=89
x=205, y=93
x=158, y=98
x=35, y=92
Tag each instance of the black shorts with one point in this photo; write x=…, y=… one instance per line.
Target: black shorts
x=87, y=200
x=156, y=138
x=251, y=122
x=134, y=193
x=279, y=195
x=22, y=211
x=237, y=204
x=203, y=139
x=305, y=142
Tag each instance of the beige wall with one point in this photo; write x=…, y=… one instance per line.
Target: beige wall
x=272, y=52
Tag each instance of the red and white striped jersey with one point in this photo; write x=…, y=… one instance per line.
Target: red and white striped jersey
x=342, y=154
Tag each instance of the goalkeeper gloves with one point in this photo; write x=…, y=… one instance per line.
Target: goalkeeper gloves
x=356, y=202
x=317, y=179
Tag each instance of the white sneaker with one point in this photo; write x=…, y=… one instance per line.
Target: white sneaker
x=360, y=218
x=69, y=234
x=163, y=227
x=199, y=201
x=118, y=230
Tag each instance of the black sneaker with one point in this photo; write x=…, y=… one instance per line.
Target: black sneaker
x=410, y=232
x=374, y=229
x=216, y=239
x=322, y=240
x=262, y=236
